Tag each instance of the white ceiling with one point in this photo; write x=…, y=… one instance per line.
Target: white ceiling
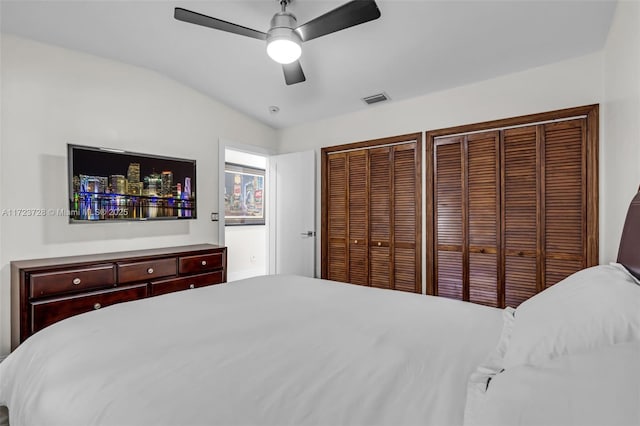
x=416, y=47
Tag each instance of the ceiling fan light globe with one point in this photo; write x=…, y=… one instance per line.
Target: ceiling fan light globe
x=284, y=50
x=283, y=43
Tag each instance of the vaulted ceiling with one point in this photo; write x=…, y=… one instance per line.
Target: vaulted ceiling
x=416, y=47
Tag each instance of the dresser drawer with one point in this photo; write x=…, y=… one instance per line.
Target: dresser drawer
x=177, y=284
x=201, y=263
x=71, y=280
x=47, y=312
x=146, y=270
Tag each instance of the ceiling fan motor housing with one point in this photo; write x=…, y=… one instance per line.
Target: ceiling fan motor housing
x=282, y=25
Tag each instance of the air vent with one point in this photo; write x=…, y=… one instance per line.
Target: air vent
x=374, y=99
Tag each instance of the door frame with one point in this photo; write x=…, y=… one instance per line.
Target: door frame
x=224, y=144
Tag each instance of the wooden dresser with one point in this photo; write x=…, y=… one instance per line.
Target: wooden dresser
x=45, y=291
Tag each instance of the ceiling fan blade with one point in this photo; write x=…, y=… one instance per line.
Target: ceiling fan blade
x=293, y=73
x=217, y=24
x=348, y=15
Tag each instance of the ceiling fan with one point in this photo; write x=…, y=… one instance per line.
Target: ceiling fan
x=285, y=37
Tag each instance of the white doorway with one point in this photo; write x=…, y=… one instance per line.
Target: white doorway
x=246, y=242
x=286, y=243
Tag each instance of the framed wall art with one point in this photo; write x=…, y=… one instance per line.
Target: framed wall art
x=243, y=195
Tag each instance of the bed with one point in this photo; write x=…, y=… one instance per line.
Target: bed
x=282, y=350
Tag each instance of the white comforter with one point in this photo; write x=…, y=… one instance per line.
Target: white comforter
x=600, y=387
x=272, y=350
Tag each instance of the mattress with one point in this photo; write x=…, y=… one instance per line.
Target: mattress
x=272, y=350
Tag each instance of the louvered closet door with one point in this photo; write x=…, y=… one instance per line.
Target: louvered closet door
x=515, y=207
x=380, y=217
x=520, y=203
x=371, y=221
x=358, y=214
x=405, y=218
x=337, y=267
x=483, y=221
x=545, y=210
x=564, y=199
x=448, y=203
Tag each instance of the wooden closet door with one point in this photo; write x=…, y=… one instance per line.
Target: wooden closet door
x=371, y=213
x=358, y=217
x=337, y=260
x=483, y=218
x=448, y=217
x=406, y=217
x=467, y=207
x=515, y=205
x=380, y=217
x=564, y=200
x=545, y=206
x=521, y=211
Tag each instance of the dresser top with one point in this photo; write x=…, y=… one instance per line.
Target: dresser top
x=113, y=256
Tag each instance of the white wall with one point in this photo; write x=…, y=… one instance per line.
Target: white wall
x=247, y=251
x=565, y=84
x=52, y=96
x=621, y=156
x=246, y=245
x=570, y=83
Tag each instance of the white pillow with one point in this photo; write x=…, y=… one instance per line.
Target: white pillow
x=598, y=387
x=594, y=307
x=482, y=376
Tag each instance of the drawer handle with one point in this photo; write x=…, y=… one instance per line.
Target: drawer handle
x=76, y=281
x=150, y=271
x=192, y=286
x=379, y=243
x=97, y=306
x=481, y=250
x=203, y=263
x=520, y=253
x=355, y=242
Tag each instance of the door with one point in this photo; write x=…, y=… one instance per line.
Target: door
x=467, y=210
x=336, y=222
x=449, y=217
x=380, y=217
x=406, y=231
x=520, y=148
x=357, y=213
x=293, y=177
x=565, y=195
x=483, y=218
x=371, y=215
